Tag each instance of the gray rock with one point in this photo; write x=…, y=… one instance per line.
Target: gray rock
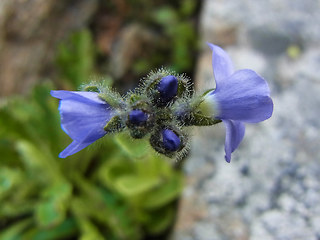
x=270, y=190
x=279, y=225
x=268, y=40
x=29, y=34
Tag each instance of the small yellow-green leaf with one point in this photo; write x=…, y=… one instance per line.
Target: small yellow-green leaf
x=160, y=220
x=134, y=148
x=53, y=209
x=165, y=193
x=14, y=232
x=49, y=213
x=9, y=178
x=39, y=162
x=89, y=231
x=134, y=185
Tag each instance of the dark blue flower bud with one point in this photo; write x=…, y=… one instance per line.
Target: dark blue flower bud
x=171, y=141
x=138, y=117
x=168, y=87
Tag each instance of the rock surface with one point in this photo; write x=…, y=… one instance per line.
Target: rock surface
x=271, y=188
x=29, y=33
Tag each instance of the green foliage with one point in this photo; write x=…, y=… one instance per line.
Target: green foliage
x=119, y=189
x=177, y=40
x=76, y=57
x=180, y=31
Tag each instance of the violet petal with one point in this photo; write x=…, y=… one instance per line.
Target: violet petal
x=83, y=117
x=234, y=134
x=77, y=95
x=73, y=148
x=221, y=64
x=244, y=96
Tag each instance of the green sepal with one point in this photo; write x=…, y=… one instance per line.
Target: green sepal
x=197, y=100
x=165, y=116
x=151, y=87
x=184, y=87
x=202, y=114
x=115, y=124
x=114, y=99
x=197, y=119
x=137, y=101
x=134, y=98
x=199, y=116
x=138, y=132
x=91, y=88
x=207, y=91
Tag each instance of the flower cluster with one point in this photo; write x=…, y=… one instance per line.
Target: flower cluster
x=164, y=106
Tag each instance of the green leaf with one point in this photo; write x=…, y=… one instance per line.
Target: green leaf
x=135, y=185
x=165, y=193
x=46, y=121
x=52, y=210
x=14, y=232
x=9, y=156
x=49, y=213
x=9, y=179
x=38, y=162
x=165, y=16
x=134, y=148
x=188, y=7
x=106, y=208
x=89, y=231
x=76, y=58
x=13, y=126
x=160, y=220
x=65, y=230
x=113, y=169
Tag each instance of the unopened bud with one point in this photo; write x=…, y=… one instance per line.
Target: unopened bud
x=138, y=117
x=171, y=142
x=139, y=122
x=168, y=87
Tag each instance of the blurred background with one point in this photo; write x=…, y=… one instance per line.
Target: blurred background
x=120, y=189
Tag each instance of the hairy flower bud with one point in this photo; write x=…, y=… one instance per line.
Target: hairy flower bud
x=138, y=117
x=168, y=87
x=140, y=122
x=163, y=87
x=171, y=142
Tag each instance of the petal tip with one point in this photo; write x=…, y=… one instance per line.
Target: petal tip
x=63, y=155
x=227, y=158
x=53, y=93
x=210, y=45
x=58, y=93
x=73, y=148
x=270, y=109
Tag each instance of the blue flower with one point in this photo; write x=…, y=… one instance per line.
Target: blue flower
x=240, y=97
x=83, y=117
